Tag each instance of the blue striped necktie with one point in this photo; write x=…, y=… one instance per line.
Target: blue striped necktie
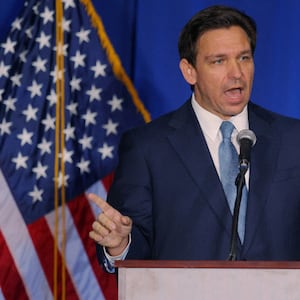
x=229, y=168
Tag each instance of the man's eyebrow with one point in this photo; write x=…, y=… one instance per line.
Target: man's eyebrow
x=213, y=56
x=248, y=51
x=220, y=55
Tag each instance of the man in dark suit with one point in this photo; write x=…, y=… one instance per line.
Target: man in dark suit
x=167, y=200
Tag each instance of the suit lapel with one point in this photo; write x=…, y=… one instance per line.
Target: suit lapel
x=262, y=169
x=188, y=141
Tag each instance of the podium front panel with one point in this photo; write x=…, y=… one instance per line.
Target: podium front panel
x=254, y=283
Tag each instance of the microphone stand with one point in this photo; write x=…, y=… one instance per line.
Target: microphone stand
x=240, y=182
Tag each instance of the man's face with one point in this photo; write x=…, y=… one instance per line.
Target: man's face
x=224, y=70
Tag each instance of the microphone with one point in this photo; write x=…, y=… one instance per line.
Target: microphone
x=246, y=139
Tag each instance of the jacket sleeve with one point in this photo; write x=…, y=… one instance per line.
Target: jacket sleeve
x=131, y=195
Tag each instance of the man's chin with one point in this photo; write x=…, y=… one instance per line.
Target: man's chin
x=234, y=110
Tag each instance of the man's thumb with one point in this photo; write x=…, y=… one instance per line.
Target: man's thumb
x=126, y=221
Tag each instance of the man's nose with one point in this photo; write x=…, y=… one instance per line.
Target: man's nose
x=235, y=70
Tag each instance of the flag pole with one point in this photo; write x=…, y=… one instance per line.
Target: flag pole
x=59, y=154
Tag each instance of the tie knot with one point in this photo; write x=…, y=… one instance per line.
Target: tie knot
x=226, y=129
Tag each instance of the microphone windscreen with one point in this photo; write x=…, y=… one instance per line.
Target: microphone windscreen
x=246, y=134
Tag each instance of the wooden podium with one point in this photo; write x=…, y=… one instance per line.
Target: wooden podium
x=206, y=280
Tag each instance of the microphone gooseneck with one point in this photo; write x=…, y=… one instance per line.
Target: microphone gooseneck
x=246, y=139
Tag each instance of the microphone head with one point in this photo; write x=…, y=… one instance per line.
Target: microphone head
x=246, y=134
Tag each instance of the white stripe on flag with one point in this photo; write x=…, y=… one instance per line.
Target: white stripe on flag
x=19, y=242
x=98, y=189
x=77, y=261
x=1, y=295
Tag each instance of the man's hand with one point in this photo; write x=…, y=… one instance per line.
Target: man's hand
x=111, y=229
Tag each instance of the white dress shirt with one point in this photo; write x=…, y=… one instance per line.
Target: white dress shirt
x=210, y=125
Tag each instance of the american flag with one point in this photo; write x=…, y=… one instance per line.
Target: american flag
x=45, y=249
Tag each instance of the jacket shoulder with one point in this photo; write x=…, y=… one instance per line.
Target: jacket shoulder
x=165, y=123
x=271, y=117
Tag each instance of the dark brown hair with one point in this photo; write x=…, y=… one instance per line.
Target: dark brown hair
x=213, y=17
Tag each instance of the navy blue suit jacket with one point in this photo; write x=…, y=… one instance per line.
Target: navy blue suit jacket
x=167, y=183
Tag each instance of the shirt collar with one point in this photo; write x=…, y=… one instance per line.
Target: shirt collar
x=210, y=123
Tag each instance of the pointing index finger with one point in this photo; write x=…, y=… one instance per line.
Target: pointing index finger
x=99, y=202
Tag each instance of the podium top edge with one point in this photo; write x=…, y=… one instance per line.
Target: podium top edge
x=208, y=264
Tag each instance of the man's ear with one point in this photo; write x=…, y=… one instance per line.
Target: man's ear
x=188, y=71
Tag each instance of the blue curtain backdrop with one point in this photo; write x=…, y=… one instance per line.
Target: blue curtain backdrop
x=145, y=32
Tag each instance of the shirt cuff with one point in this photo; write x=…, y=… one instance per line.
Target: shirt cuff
x=111, y=259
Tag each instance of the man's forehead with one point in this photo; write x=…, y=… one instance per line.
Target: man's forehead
x=225, y=39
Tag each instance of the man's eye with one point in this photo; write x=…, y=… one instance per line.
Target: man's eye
x=245, y=57
x=218, y=61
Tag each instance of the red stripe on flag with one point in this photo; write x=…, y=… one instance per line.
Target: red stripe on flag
x=80, y=207
x=10, y=280
x=107, y=180
x=44, y=243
